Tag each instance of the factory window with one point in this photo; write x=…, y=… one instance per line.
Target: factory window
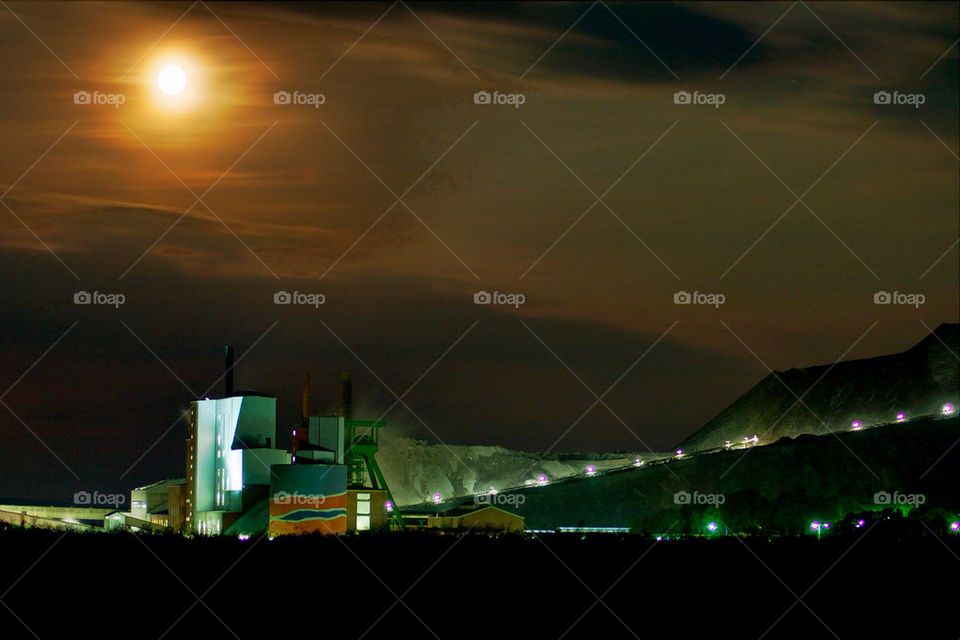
x=363, y=503
x=363, y=511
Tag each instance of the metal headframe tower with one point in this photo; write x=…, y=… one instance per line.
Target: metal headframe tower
x=361, y=440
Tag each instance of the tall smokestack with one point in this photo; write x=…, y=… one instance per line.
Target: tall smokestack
x=305, y=402
x=228, y=372
x=346, y=395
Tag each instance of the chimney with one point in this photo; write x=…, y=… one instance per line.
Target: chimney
x=346, y=395
x=228, y=372
x=305, y=402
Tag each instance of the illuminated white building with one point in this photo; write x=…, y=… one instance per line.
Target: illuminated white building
x=230, y=447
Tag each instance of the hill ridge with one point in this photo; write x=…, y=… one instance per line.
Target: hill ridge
x=873, y=390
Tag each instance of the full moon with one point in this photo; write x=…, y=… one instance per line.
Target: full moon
x=172, y=80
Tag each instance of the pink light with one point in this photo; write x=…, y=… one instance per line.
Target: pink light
x=855, y=425
x=901, y=417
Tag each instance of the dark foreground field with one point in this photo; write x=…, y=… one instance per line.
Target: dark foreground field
x=882, y=581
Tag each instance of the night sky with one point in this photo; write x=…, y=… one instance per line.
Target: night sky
x=398, y=198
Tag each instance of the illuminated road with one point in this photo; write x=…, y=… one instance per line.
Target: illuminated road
x=593, y=472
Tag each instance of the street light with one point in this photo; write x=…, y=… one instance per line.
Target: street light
x=815, y=526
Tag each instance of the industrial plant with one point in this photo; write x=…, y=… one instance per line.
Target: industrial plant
x=241, y=479
x=238, y=480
